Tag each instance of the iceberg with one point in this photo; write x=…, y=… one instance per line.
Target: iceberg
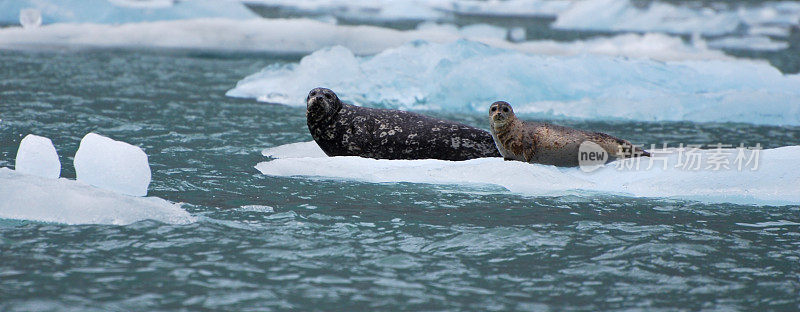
x=37, y=156
x=121, y=11
x=769, y=177
x=112, y=165
x=28, y=197
x=469, y=76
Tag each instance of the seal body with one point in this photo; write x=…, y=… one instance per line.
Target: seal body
x=347, y=130
x=544, y=143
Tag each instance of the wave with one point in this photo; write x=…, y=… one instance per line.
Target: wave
x=468, y=76
x=774, y=182
x=28, y=197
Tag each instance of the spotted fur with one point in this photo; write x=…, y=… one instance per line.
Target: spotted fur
x=346, y=130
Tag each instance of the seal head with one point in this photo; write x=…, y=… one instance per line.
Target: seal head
x=322, y=104
x=500, y=113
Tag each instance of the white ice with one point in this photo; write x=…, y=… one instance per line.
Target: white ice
x=27, y=197
x=774, y=182
x=30, y=18
x=303, y=36
x=37, y=156
x=623, y=15
x=121, y=11
x=467, y=76
x=758, y=43
x=112, y=165
x=417, y=10
x=520, y=8
x=365, y=10
x=295, y=150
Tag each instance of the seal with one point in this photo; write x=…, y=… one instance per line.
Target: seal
x=544, y=143
x=347, y=130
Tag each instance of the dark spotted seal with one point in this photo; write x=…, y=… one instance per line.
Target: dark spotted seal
x=543, y=143
x=346, y=130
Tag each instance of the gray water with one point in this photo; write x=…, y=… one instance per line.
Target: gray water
x=339, y=245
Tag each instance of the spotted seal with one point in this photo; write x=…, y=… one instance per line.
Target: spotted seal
x=347, y=130
x=544, y=143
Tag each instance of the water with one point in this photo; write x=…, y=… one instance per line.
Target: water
x=275, y=243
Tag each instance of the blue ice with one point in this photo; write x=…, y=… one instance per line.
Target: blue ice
x=467, y=76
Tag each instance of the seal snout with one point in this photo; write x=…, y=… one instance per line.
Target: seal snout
x=321, y=102
x=318, y=96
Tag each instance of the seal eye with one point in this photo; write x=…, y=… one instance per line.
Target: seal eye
x=494, y=108
x=505, y=109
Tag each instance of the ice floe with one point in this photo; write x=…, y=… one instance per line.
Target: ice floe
x=773, y=182
x=120, y=11
x=281, y=36
x=505, y=8
x=34, y=192
x=412, y=10
x=112, y=165
x=365, y=10
x=30, y=18
x=715, y=19
x=28, y=197
x=303, y=36
x=468, y=76
x=758, y=43
x=37, y=156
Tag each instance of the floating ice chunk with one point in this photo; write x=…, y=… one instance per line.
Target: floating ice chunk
x=517, y=34
x=112, y=165
x=414, y=10
x=775, y=31
x=758, y=43
x=256, y=208
x=484, y=31
x=37, y=156
x=121, y=11
x=521, y=8
x=468, y=76
x=654, y=46
x=295, y=150
x=363, y=10
x=30, y=18
x=774, y=181
x=304, y=36
x=623, y=15
x=26, y=197
x=285, y=36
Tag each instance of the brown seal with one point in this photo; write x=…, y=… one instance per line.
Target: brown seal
x=543, y=143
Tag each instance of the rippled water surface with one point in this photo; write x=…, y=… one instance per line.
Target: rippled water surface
x=273, y=243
